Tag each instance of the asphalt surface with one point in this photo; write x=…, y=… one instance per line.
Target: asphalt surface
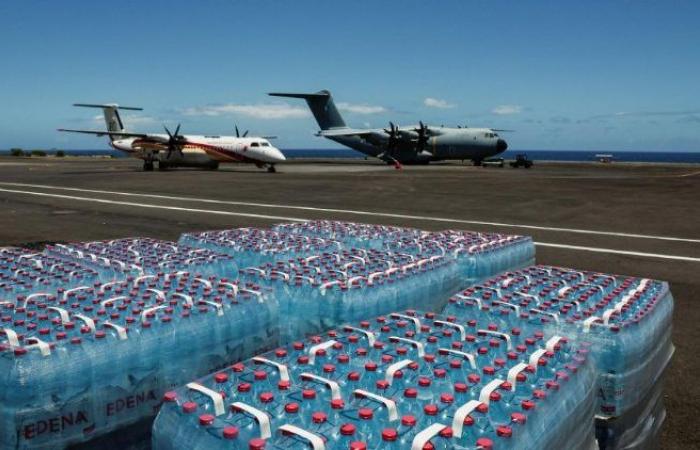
x=639, y=220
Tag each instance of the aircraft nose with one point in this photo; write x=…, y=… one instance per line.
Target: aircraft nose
x=278, y=155
x=501, y=145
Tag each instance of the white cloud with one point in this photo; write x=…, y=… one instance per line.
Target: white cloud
x=361, y=109
x=437, y=103
x=257, y=111
x=504, y=110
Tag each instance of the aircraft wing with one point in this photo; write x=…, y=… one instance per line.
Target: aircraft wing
x=106, y=133
x=345, y=132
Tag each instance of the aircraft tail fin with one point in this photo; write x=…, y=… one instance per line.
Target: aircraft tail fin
x=322, y=106
x=111, y=114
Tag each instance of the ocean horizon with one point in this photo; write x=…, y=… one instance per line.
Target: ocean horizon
x=535, y=155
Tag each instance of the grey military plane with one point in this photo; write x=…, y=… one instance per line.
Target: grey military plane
x=418, y=144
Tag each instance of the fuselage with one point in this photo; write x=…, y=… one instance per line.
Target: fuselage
x=444, y=144
x=202, y=149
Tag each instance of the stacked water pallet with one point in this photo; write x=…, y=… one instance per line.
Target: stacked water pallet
x=627, y=322
x=403, y=381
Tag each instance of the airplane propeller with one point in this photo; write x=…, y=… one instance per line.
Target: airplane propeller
x=175, y=141
x=394, y=137
x=239, y=135
x=423, y=136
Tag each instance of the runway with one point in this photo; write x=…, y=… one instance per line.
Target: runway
x=629, y=219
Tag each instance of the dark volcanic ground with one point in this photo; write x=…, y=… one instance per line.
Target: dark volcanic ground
x=613, y=201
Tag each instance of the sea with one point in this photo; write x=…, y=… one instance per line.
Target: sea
x=535, y=155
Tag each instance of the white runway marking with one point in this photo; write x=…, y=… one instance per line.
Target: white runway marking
x=145, y=205
x=362, y=213
x=617, y=252
x=297, y=219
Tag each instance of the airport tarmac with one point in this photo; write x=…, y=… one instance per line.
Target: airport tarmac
x=633, y=219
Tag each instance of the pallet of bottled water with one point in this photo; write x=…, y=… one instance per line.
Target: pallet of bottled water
x=322, y=291
x=407, y=380
x=25, y=272
x=95, y=358
x=254, y=246
x=478, y=255
x=116, y=258
x=626, y=320
x=350, y=234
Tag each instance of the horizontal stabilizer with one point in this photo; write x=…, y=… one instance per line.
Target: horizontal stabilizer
x=108, y=105
x=319, y=94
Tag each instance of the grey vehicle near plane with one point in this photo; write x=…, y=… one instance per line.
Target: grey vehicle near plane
x=417, y=144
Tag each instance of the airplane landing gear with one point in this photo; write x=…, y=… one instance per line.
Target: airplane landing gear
x=271, y=169
x=147, y=165
x=162, y=166
x=477, y=162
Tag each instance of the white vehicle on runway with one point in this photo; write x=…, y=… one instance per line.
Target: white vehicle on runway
x=175, y=149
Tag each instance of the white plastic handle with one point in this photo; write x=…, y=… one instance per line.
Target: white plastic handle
x=322, y=346
x=485, y=394
x=104, y=286
x=371, y=338
x=137, y=280
x=219, y=307
x=160, y=294
x=258, y=294
x=65, y=317
x=460, y=415
x=206, y=283
x=35, y=295
x=415, y=320
x=564, y=290
x=426, y=435
x=388, y=403
x=232, y=286
x=523, y=294
x=535, y=357
x=187, y=298
x=109, y=301
x=281, y=368
x=216, y=398
x=392, y=369
x=87, y=321
x=12, y=337
x=357, y=278
x=458, y=327
x=150, y=310
x=284, y=275
x=43, y=347
x=262, y=418
x=509, y=344
x=513, y=374
x=468, y=356
x=554, y=316
x=121, y=331
x=417, y=344
x=512, y=306
x=68, y=291
x=332, y=385
x=317, y=443
x=588, y=322
x=324, y=287
x=474, y=299
x=552, y=343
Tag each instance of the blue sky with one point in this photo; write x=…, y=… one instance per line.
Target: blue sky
x=593, y=75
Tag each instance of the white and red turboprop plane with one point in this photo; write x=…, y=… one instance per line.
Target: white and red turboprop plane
x=175, y=149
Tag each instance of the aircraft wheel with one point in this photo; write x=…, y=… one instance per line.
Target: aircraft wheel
x=213, y=166
x=271, y=169
x=148, y=166
x=163, y=166
x=477, y=162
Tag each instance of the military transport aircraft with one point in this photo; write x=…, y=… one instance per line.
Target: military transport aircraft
x=418, y=144
x=175, y=149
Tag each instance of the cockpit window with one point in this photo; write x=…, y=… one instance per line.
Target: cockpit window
x=254, y=144
x=264, y=144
